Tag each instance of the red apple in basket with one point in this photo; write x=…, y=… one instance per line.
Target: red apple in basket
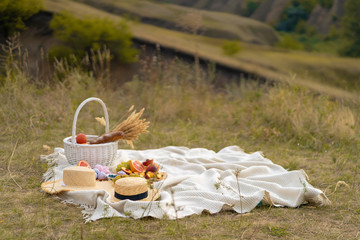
x=81, y=138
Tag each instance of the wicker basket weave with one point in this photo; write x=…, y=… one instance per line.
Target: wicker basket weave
x=103, y=153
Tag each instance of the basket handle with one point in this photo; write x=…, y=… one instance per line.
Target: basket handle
x=73, y=141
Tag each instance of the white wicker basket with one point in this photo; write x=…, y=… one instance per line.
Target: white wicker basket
x=103, y=153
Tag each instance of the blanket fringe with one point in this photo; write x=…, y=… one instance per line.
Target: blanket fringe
x=267, y=199
x=320, y=200
x=87, y=210
x=51, y=162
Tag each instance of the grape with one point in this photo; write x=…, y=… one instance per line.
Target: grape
x=98, y=166
x=105, y=170
x=102, y=176
x=123, y=164
x=96, y=171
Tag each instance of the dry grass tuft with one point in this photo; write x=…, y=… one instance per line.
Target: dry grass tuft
x=307, y=117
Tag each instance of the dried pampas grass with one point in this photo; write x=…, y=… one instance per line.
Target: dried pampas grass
x=132, y=126
x=101, y=120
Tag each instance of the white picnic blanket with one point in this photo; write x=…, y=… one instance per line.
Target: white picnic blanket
x=198, y=180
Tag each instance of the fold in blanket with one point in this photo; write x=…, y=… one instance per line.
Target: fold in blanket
x=198, y=179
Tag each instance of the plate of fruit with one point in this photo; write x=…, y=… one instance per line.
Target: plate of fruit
x=135, y=168
x=132, y=168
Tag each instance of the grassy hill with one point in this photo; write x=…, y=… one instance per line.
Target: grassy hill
x=323, y=14
x=333, y=75
x=213, y=24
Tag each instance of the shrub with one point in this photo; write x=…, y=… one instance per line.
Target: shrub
x=333, y=33
x=350, y=50
x=288, y=42
x=82, y=35
x=326, y=3
x=301, y=27
x=291, y=17
x=14, y=13
x=231, y=48
x=297, y=11
x=351, y=28
x=308, y=5
x=59, y=52
x=250, y=8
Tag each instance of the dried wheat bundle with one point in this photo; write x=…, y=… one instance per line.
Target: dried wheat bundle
x=128, y=130
x=133, y=126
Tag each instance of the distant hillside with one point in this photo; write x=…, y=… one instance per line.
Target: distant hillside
x=213, y=24
x=337, y=77
x=322, y=18
x=230, y=6
x=270, y=11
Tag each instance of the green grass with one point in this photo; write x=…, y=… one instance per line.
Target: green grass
x=318, y=43
x=276, y=231
x=293, y=126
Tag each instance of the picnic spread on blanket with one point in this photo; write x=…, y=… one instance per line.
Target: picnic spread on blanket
x=172, y=182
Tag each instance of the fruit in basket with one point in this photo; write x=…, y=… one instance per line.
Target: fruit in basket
x=137, y=166
x=81, y=138
x=108, y=137
x=84, y=163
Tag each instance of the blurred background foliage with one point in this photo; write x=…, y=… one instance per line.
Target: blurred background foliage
x=351, y=29
x=80, y=36
x=14, y=13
